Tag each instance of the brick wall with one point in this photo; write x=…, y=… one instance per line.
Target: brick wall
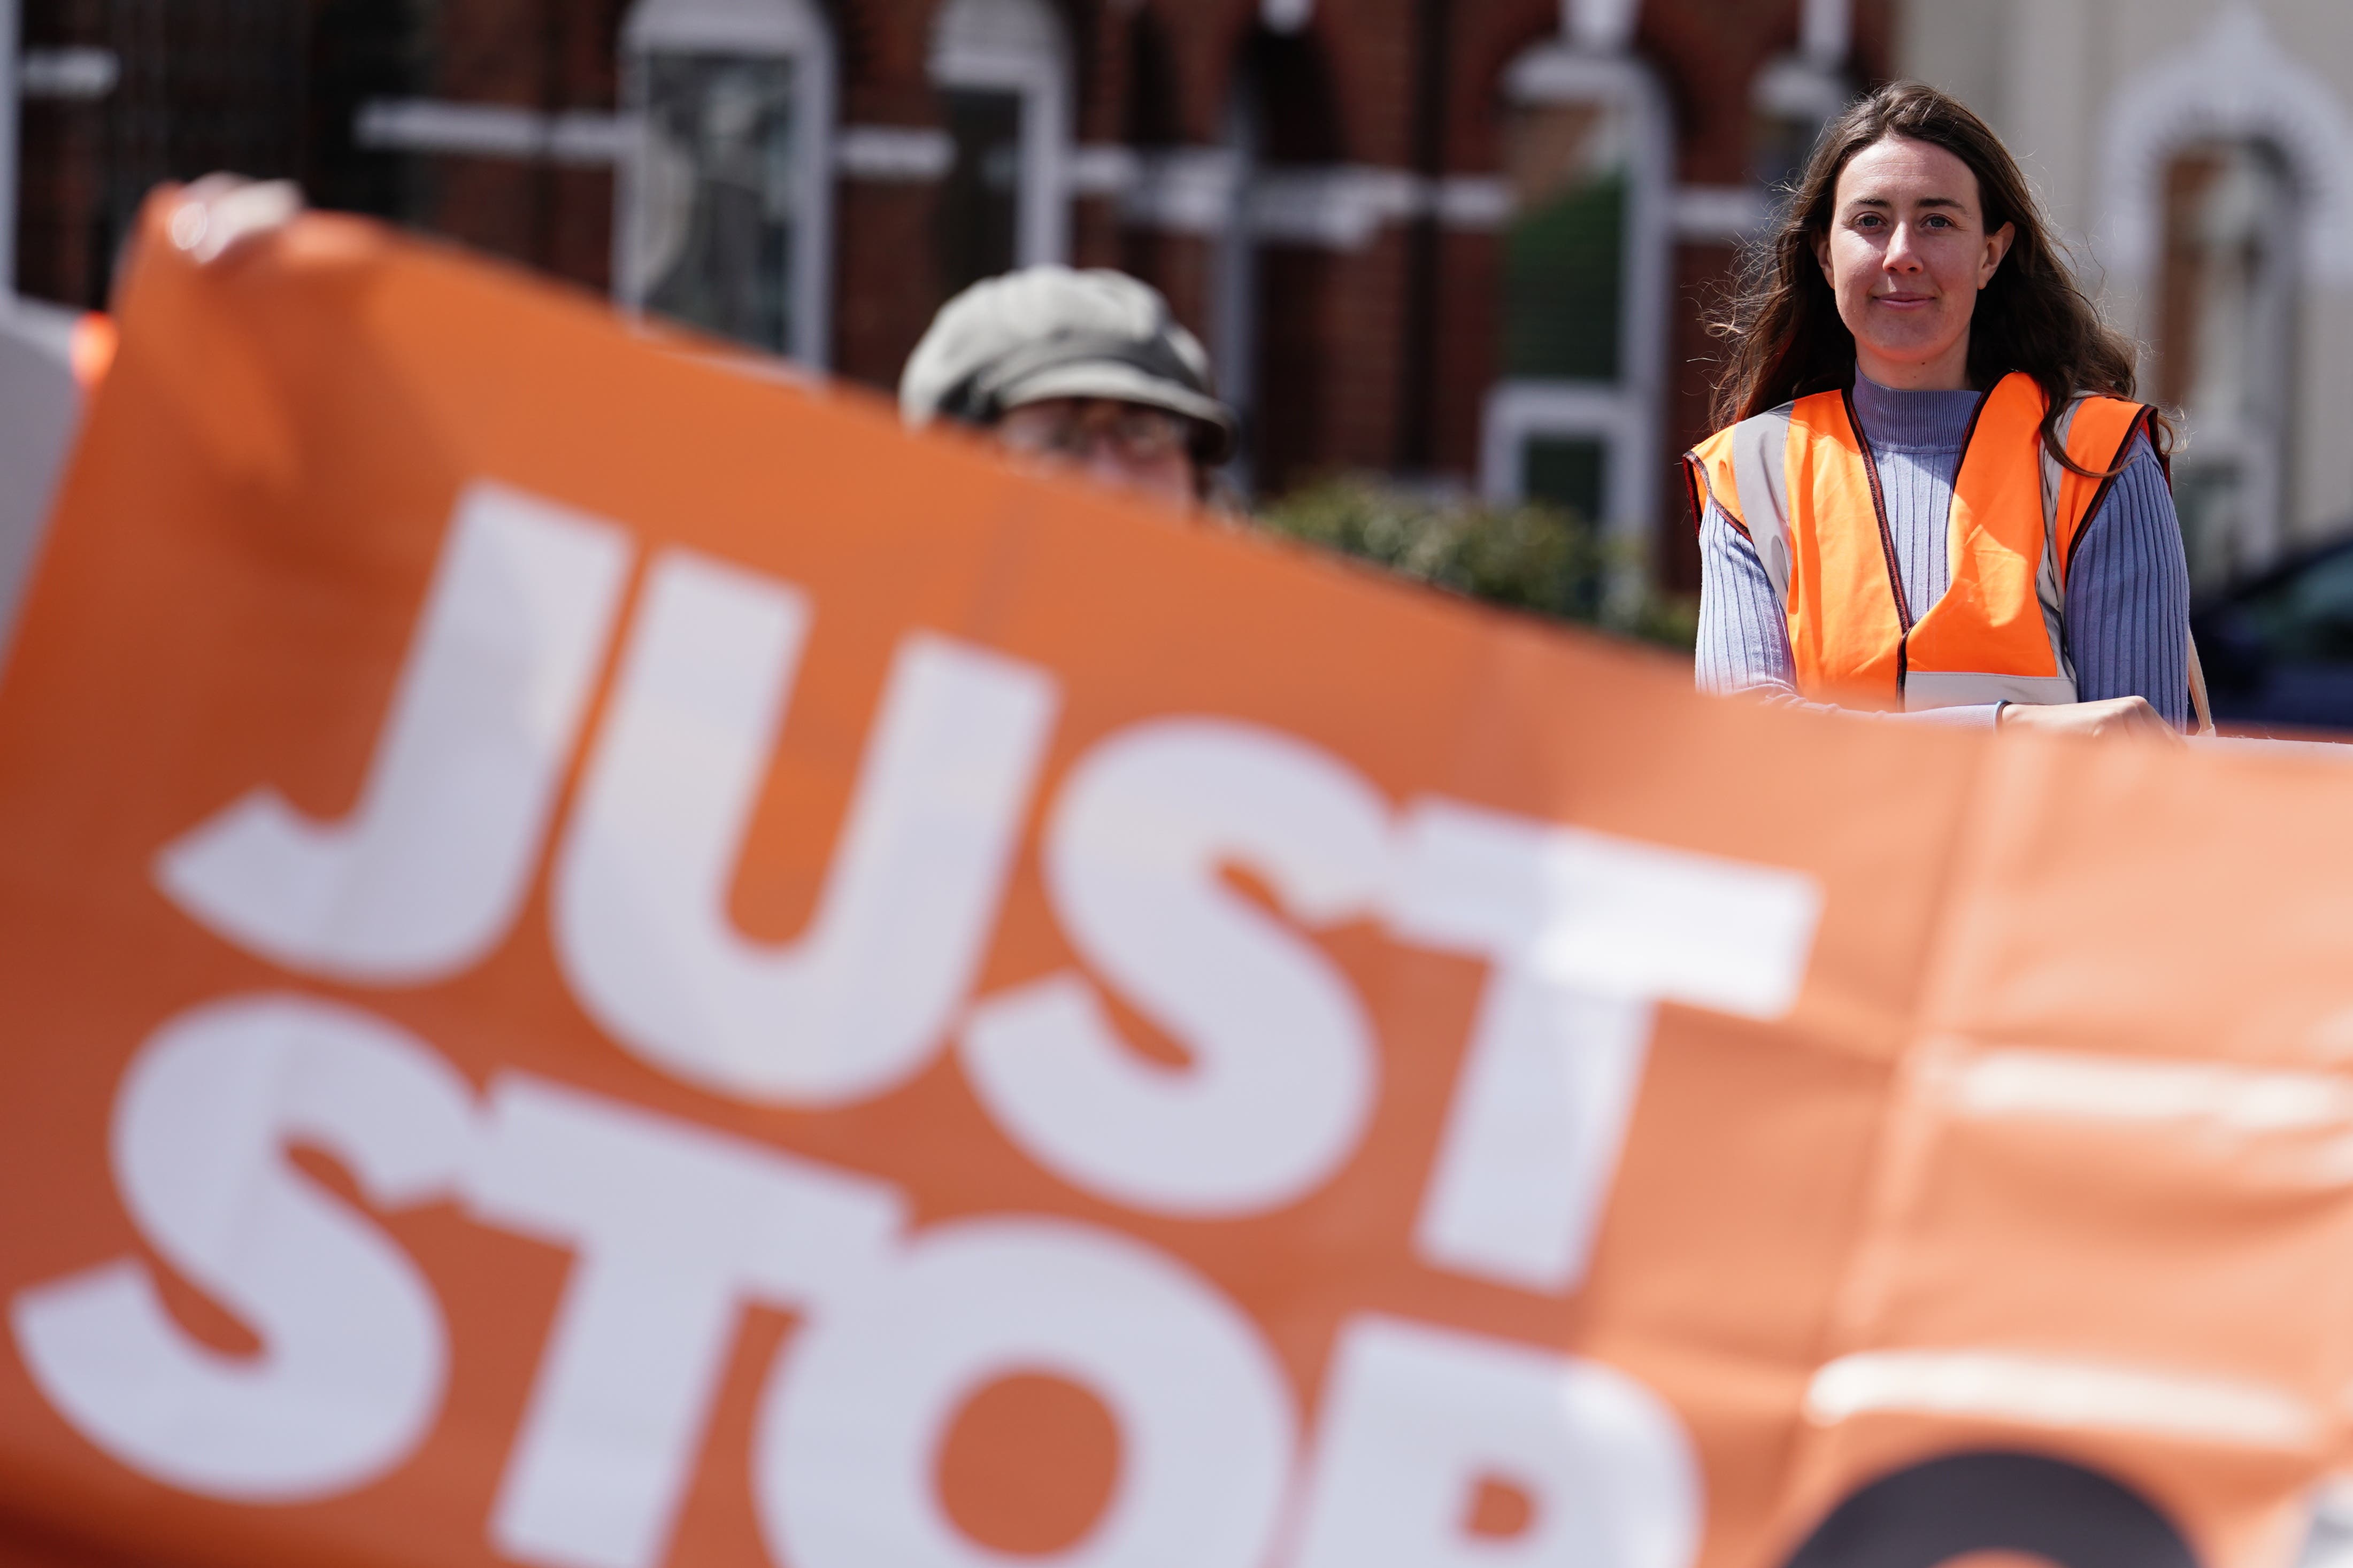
x=885, y=287
x=1371, y=355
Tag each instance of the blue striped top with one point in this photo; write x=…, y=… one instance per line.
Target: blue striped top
x=2126, y=621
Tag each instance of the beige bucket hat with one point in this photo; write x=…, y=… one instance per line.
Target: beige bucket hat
x=1055, y=331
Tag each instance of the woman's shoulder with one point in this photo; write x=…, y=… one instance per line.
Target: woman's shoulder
x=2107, y=432
x=1772, y=419
x=2137, y=494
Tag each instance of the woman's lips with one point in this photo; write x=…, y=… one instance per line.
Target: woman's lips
x=1904, y=302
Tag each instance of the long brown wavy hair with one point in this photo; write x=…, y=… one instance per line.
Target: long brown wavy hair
x=1782, y=318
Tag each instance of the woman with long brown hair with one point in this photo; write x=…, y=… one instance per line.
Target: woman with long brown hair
x=1933, y=491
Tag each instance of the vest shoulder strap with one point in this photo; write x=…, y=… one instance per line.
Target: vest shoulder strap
x=1708, y=477
x=2097, y=431
x=1744, y=472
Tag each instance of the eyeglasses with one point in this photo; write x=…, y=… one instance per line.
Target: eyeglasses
x=1128, y=431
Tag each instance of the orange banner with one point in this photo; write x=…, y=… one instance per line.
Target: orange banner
x=611, y=964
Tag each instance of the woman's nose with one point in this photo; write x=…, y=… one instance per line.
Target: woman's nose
x=1901, y=256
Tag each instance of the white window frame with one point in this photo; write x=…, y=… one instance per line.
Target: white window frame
x=2261, y=451
x=793, y=30
x=1021, y=46
x=1622, y=415
x=2238, y=82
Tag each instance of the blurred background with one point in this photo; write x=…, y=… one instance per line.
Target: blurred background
x=1458, y=250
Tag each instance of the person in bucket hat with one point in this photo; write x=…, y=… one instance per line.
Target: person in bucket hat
x=1084, y=368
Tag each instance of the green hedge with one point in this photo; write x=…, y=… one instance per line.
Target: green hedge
x=1527, y=556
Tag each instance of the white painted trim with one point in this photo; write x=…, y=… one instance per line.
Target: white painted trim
x=1520, y=411
x=1628, y=413
x=1719, y=215
x=1286, y=15
x=793, y=29
x=2235, y=82
x=1332, y=207
x=44, y=325
x=726, y=26
x=1104, y=169
x=1604, y=25
x=74, y=74
x=1475, y=203
x=589, y=138
x=423, y=125
x=1796, y=87
x=40, y=409
x=1185, y=190
x=427, y=125
x=1018, y=45
x=901, y=154
x=1826, y=31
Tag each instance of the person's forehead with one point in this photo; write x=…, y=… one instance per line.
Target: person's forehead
x=1088, y=408
x=1900, y=172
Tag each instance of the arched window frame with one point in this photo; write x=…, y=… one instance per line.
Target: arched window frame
x=1623, y=414
x=2248, y=440
x=2236, y=83
x=979, y=44
x=793, y=30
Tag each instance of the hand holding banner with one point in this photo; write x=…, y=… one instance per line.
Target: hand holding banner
x=614, y=963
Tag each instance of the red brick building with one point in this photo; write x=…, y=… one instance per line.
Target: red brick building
x=1465, y=240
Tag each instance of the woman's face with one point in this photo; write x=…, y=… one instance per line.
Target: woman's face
x=1906, y=253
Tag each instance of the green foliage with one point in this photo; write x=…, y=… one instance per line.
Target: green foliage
x=1529, y=556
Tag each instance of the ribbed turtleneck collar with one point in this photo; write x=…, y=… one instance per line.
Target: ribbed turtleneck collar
x=1918, y=422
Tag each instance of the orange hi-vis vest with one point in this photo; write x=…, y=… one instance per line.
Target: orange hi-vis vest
x=1801, y=483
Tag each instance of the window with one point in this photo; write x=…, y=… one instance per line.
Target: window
x=2226, y=314
x=1574, y=417
x=980, y=207
x=1565, y=249
x=1003, y=70
x=717, y=193
x=725, y=195
x=1790, y=102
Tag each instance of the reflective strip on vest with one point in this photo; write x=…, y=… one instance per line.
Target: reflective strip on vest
x=1799, y=483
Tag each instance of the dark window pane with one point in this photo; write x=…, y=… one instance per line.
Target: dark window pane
x=1569, y=471
x=364, y=51
x=980, y=204
x=1778, y=149
x=1561, y=266
x=1287, y=76
x=716, y=194
x=1154, y=116
x=1789, y=102
x=2226, y=349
